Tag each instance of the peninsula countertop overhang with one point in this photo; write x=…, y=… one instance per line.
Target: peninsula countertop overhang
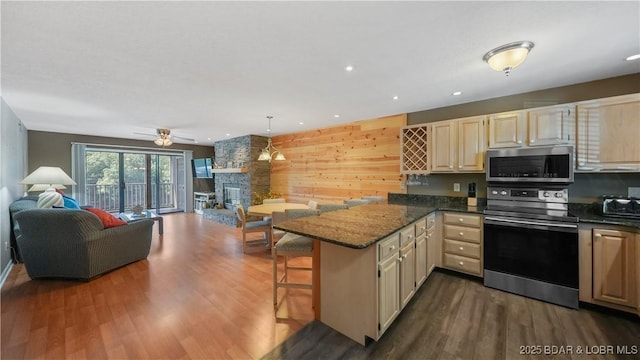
x=361, y=226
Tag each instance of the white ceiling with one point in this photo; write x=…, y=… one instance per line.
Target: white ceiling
x=207, y=69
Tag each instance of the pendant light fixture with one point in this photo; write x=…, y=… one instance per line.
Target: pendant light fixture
x=506, y=57
x=270, y=152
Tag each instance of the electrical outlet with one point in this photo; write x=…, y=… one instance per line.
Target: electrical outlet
x=456, y=187
x=634, y=192
x=6, y=246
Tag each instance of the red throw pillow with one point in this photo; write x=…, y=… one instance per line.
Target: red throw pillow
x=107, y=219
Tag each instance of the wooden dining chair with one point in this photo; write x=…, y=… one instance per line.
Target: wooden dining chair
x=253, y=227
x=292, y=245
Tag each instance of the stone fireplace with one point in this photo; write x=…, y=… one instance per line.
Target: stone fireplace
x=255, y=176
x=231, y=196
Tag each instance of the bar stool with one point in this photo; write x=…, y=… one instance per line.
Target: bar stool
x=292, y=245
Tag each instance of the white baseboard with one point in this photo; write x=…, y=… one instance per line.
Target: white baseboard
x=5, y=273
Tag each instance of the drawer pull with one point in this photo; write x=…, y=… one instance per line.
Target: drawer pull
x=461, y=220
x=461, y=263
x=598, y=235
x=410, y=237
x=400, y=259
x=461, y=233
x=461, y=248
x=423, y=228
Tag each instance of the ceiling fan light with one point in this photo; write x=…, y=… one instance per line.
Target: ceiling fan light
x=167, y=142
x=280, y=156
x=506, y=57
x=159, y=141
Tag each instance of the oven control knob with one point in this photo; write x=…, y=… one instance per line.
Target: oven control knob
x=494, y=192
x=546, y=194
x=503, y=193
x=559, y=194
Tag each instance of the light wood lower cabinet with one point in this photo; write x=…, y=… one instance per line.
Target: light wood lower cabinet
x=362, y=291
x=421, y=252
x=462, y=242
x=609, y=271
x=614, y=267
x=434, y=250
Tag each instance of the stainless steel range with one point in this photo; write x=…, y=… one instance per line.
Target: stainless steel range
x=531, y=239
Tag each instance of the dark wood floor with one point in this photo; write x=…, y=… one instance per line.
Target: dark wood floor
x=452, y=317
x=198, y=297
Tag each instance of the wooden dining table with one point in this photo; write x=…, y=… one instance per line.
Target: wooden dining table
x=268, y=209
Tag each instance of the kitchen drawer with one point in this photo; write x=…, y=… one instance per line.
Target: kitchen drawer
x=463, y=219
x=462, y=233
x=468, y=265
x=407, y=235
x=421, y=227
x=388, y=247
x=462, y=248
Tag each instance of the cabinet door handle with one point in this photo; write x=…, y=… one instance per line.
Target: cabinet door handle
x=423, y=228
x=461, y=263
x=400, y=259
x=461, y=233
x=461, y=248
x=405, y=256
x=461, y=220
x=459, y=166
x=428, y=236
x=450, y=166
x=532, y=141
x=598, y=235
x=519, y=142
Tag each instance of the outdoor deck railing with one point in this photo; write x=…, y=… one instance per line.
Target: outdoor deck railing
x=107, y=197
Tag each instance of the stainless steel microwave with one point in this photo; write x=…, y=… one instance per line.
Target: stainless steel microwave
x=540, y=164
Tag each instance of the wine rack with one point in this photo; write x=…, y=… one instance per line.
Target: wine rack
x=414, y=157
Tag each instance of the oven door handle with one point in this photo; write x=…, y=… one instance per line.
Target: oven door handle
x=531, y=224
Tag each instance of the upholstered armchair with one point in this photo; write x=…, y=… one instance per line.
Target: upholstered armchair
x=71, y=243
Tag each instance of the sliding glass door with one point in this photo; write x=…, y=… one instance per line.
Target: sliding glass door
x=118, y=181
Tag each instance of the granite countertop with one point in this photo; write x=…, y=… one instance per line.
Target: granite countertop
x=362, y=226
x=587, y=213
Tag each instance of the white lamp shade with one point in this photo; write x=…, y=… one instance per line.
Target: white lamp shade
x=280, y=156
x=48, y=175
x=508, y=59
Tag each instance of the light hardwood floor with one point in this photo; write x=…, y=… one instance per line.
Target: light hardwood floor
x=196, y=296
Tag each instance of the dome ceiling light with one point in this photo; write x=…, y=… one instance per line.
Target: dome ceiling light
x=506, y=57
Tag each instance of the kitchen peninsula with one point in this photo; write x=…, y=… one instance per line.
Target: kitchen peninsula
x=367, y=267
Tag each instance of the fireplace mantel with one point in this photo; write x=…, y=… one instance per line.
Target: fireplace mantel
x=230, y=170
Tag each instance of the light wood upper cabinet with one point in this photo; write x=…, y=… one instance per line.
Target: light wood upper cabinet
x=471, y=144
x=507, y=129
x=443, y=146
x=553, y=125
x=614, y=267
x=608, y=134
x=458, y=145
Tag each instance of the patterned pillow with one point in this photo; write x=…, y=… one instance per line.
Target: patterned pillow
x=107, y=219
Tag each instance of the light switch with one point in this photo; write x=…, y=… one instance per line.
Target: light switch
x=634, y=192
x=456, y=187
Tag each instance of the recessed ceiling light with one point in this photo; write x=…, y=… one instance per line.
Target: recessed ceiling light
x=395, y=97
x=336, y=116
x=301, y=123
x=349, y=68
x=456, y=93
x=228, y=134
x=633, y=57
x=210, y=138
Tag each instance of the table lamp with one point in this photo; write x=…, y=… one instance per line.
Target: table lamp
x=51, y=177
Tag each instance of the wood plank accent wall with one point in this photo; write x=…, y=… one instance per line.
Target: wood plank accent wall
x=340, y=162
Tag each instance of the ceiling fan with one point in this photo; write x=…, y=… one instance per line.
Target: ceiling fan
x=163, y=137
